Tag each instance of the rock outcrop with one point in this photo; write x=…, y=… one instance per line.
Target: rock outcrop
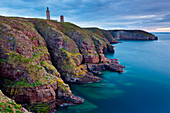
x=108, y=64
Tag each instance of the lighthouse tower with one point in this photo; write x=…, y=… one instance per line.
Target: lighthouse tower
x=61, y=18
x=48, y=14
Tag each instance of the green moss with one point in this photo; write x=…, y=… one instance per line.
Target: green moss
x=69, y=53
x=9, y=106
x=8, y=109
x=19, y=84
x=40, y=108
x=18, y=111
x=51, y=26
x=48, y=66
x=72, y=59
x=68, y=66
x=3, y=60
x=68, y=26
x=32, y=38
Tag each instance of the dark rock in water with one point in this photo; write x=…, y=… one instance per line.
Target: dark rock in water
x=110, y=64
x=110, y=48
x=97, y=72
x=67, y=102
x=156, y=38
x=115, y=42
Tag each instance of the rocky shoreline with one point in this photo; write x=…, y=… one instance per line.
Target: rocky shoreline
x=38, y=56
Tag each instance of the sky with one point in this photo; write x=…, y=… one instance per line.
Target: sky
x=149, y=15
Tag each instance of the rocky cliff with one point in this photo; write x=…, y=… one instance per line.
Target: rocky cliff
x=26, y=71
x=38, y=56
x=132, y=35
x=112, y=35
x=103, y=33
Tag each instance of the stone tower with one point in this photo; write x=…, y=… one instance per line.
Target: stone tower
x=61, y=18
x=48, y=14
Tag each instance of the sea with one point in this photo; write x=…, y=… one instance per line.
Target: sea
x=143, y=87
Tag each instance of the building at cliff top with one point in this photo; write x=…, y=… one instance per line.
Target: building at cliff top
x=48, y=15
x=61, y=18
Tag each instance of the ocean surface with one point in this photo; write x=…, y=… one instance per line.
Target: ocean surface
x=144, y=87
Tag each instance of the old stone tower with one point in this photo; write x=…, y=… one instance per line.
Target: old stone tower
x=61, y=18
x=48, y=14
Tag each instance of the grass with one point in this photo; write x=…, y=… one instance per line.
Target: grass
x=3, y=60
x=8, y=105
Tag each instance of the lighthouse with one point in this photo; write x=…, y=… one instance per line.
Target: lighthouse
x=61, y=18
x=48, y=14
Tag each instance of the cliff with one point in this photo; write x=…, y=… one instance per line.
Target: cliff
x=113, y=35
x=38, y=56
x=132, y=35
x=103, y=33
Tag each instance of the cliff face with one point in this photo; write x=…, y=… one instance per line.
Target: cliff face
x=36, y=55
x=112, y=35
x=132, y=35
x=65, y=53
x=103, y=33
x=91, y=46
x=26, y=71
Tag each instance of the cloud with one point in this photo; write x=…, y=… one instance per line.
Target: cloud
x=107, y=14
x=140, y=17
x=163, y=29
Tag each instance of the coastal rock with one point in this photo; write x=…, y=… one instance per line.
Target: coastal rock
x=110, y=64
x=73, y=101
x=65, y=53
x=110, y=48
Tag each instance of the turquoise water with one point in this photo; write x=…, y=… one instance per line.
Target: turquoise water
x=144, y=87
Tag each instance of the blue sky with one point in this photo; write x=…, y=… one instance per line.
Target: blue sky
x=150, y=15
